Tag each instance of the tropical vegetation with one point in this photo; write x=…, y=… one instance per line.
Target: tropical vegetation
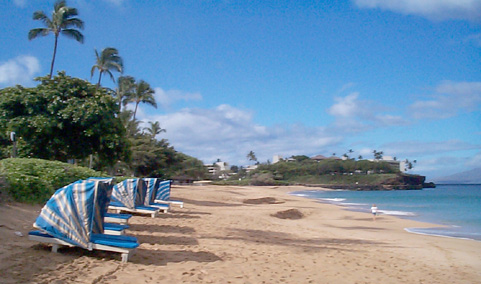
x=75, y=123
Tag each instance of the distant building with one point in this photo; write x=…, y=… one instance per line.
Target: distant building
x=319, y=158
x=250, y=168
x=394, y=163
x=276, y=159
x=217, y=169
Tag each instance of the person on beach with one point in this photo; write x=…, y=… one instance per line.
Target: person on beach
x=374, y=212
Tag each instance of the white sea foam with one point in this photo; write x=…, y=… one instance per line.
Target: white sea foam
x=353, y=204
x=421, y=231
x=299, y=194
x=333, y=199
x=396, y=213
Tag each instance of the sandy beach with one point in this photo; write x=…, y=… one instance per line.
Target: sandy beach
x=246, y=235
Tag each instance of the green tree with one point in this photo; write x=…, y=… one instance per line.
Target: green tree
x=252, y=156
x=125, y=88
x=377, y=154
x=106, y=62
x=151, y=158
x=142, y=93
x=154, y=129
x=63, y=21
x=64, y=118
x=300, y=158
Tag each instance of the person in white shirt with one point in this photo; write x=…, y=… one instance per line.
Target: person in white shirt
x=374, y=212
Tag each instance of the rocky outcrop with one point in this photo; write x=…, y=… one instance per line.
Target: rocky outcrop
x=400, y=182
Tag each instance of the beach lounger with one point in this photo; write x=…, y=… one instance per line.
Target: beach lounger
x=130, y=196
x=115, y=229
x=125, y=245
x=152, y=187
x=161, y=192
x=74, y=216
x=148, y=210
x=122, y=219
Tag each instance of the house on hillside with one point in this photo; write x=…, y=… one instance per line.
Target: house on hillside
x=276, y=159
x=216, y=169
x=319, y=158
x=392, y=162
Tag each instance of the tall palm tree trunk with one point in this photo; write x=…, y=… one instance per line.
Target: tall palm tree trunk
x=54, y=54
x=100, y=78
x=135, y=111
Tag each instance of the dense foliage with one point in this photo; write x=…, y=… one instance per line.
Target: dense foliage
x=289, y=170
x=35, y=180
x=63, y=118
x=302, y=170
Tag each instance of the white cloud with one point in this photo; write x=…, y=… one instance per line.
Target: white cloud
x=167, y=98
x=229, y=133
x=19, y=70
x=449, y=99
x=347, y=106
x=431, y=9
x=355, y=115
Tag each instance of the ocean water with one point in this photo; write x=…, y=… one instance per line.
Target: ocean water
x=457, y=207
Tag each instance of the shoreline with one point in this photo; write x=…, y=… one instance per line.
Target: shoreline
x=237, y=234
x=449, y=232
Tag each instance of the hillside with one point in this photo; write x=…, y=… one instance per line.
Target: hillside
x=468, y=177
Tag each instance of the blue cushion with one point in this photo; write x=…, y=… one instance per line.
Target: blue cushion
x=39, y=233
x=118, y=216
x=102, y=239
x=115, y=227
x=114, y=240
x=147, y=208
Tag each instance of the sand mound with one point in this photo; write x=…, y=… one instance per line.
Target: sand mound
x=263, y=200
x=292, y=214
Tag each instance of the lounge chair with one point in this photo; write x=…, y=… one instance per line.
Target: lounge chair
x=162, y=194
x=140, y=209
x=129, y=196
x=74, y=216
x=125, y=245
x=122, y=219
x=115, y=229
x=152, y=187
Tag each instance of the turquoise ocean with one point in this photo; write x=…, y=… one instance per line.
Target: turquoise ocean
x=456, y=207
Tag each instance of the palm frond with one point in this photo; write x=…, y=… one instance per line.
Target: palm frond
x=39, y=16
x=33, y=33
x=110, y=74
x=92, y=71
x=73, y=22
x=59, y=4
x=75, y=34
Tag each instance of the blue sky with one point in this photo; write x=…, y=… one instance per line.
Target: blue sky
x=283, y=77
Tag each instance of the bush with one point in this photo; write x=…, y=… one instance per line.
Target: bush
x=265, y=179
x=35, y=180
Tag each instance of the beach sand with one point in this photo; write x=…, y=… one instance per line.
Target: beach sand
x=246, y=235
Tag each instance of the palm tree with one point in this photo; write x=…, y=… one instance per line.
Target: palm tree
x=143, y=93
x=154, y=128
x=252, y=156
x=125, y=88
x=108, y=60
x=62, y=22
